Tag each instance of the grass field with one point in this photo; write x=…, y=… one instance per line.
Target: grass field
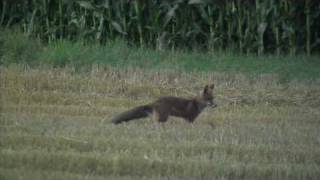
x=55, y=124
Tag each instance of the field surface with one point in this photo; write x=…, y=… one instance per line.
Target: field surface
x=55, y=124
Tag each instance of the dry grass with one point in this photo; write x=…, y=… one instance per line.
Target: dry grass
x=55, y=125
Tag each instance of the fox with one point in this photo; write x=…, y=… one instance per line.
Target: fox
x=166, y=106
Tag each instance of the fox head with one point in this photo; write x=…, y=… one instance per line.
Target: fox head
x=207, y=97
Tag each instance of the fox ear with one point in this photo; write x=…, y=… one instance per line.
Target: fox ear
x=206, y=89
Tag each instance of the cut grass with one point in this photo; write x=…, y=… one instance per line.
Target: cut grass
x=55, y=124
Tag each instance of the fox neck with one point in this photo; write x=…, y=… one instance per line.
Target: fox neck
x=200, y=103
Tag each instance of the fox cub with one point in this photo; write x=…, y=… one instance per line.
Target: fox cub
x=167, y=106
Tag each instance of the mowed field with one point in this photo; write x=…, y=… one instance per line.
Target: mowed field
x=55, y=124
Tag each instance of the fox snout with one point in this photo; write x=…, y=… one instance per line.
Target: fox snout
x=212, y=104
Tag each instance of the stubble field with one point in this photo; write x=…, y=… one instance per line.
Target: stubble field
x=55, y=124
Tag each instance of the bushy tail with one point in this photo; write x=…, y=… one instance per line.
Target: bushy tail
x=135, y=113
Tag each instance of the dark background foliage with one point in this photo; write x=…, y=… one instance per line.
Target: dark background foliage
x=244, y=26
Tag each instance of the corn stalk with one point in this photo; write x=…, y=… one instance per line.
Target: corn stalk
x=308, y=27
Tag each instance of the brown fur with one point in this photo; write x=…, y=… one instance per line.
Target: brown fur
x=167, y=106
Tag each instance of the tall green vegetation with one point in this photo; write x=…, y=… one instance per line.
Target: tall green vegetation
x=244, y=26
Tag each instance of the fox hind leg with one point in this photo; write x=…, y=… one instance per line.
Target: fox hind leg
x=160, y=117
x=163, y=118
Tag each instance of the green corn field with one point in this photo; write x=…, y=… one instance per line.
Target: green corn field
x=242, y=26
